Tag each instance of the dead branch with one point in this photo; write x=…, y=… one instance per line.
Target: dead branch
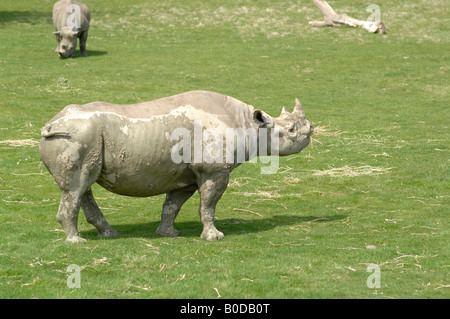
x=332, y=19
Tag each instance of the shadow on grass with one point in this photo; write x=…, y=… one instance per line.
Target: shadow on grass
x=31, y=17
x=91, y=53
x=231, y=226
x=96, y=53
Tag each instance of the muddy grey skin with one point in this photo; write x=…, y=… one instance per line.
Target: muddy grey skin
x=71, y=20
x=127, y=150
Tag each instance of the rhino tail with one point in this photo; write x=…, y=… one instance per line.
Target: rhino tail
x=48, y=131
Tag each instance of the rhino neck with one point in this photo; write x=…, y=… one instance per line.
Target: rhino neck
x=240, y=113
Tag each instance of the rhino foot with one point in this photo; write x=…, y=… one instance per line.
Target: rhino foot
x=167, y=231
x=75, y=239
x=212, y=234
x=108, y=233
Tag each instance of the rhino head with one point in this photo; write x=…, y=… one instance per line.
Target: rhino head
x=293, y=129
x=68, y=42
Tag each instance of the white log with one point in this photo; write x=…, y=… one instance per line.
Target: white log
x=332, y=19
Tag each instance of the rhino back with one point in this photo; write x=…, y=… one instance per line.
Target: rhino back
x=211, y=108
x=60, y=14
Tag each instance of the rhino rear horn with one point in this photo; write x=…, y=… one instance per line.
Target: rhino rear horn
x=298, y=109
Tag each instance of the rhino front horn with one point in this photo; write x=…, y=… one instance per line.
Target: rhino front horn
x=298, y=109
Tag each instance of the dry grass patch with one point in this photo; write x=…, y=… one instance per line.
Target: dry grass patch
x=352, y=171
x=20, y=143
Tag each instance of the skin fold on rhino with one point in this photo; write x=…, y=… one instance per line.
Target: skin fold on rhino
x=128, y=150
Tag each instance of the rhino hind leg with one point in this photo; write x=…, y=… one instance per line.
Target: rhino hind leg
x=71, y=200
x=94, y=215
x=211, y=188
x=67, y=215
x=171, y=207
x=75, y=168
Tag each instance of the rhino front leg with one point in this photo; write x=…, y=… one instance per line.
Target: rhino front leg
x=58, y=42
x=211, y=188
x=94, y=215
x=171, y=207
x=83, y=39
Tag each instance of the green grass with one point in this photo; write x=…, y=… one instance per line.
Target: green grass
x=379, y=176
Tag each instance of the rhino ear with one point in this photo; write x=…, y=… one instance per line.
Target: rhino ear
x=263, y=119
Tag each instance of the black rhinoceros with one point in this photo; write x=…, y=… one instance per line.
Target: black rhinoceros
x=174, y=145
x=71, y=21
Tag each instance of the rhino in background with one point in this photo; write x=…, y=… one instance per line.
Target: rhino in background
x=71, y=20
x=130, y=150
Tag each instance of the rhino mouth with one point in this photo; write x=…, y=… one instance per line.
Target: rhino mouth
x=310, y=129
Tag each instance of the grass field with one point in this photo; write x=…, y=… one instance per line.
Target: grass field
x=373, y=189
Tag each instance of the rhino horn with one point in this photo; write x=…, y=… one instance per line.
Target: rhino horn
x=57, y=32
x=298, y=109
x=283, y=111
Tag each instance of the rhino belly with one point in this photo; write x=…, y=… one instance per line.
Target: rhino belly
x=145, y=181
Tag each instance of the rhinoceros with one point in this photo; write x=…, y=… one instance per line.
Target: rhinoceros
x=71, y=20
x=137, y=150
